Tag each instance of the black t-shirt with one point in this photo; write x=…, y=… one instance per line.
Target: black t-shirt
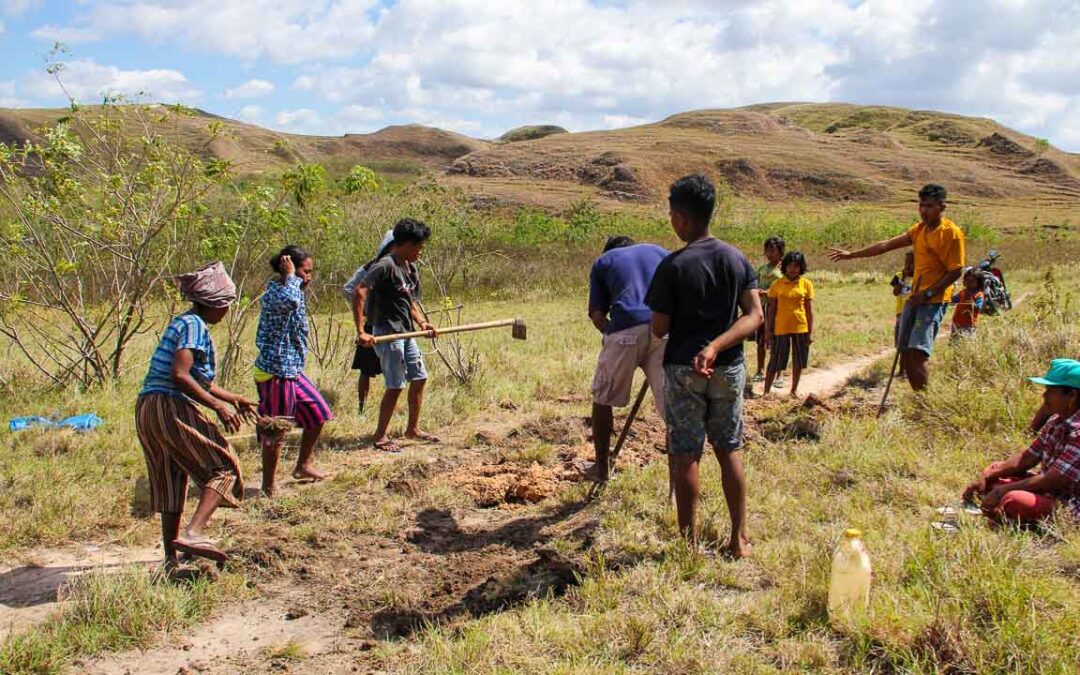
x=393, y=289
x=699, y=286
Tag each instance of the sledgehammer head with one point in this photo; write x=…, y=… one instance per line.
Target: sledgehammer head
x=518, y=330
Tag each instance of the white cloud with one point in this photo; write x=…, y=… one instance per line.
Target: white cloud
x=300, y=121
x=19, y=7
x=287, y=31
x=252, y=114
x=67, y=34
x=85, y=80
x=8, y=98
x=250, y=89
x=488, y=65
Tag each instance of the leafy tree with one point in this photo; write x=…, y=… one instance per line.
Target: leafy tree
x=359, y=179
x=305, y=183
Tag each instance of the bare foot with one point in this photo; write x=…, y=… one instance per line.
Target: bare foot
x=738, y=549
x=308, y=472
x=422, y=436
x=269, y=491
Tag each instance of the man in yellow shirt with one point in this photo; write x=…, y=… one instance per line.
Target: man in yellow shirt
x=939, y=261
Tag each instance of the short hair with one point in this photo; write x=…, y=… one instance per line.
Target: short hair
x=933, y=191
x=618, y=241
x=298, y=255
x=411, y=230
x=794, y=257
x=776, y=242
x=695, y=196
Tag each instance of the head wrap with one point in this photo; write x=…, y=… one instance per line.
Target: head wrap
x=209, y=286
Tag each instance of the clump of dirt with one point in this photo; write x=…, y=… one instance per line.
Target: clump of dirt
x=1000, y=144
x=492, y=485
x=274, y=428
x=557, y=431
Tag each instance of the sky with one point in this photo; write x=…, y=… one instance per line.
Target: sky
x=482, y=67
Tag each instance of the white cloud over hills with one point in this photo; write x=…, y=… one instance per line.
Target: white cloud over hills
x=487, y=65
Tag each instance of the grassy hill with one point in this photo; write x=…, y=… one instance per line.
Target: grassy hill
x=784, y=151
x=254, y=149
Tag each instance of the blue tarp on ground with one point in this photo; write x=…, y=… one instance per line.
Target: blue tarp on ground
x=84, y=422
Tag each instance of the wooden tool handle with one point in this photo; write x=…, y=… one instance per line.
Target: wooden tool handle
x=383, y=339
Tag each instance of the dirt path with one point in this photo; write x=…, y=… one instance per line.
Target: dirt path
x=30, y=583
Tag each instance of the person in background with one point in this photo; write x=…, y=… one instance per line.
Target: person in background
x=618, y=283
x=284, y=389
x=789, y=326
x=969, y=302
x=704, y=299
x=938, y=245
x=179, y=442
x=393, y=285
x=365, y=359
x=768, y=272
x=1009, y=490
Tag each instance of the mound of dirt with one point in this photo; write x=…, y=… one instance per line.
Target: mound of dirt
x=999, y=144
x=531, y=133
x=729, y=123
x=747, y=178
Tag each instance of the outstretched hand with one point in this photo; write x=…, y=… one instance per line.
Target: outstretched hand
x=838, y=254
x=230, y=419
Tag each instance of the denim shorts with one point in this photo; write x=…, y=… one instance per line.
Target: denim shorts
x=924, y=328
x=697, y=408
x=401, y=361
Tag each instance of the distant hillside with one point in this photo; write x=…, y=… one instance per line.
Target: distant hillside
x=531, y=133
x=782, y=151
x=777, y=151
x=254, y=149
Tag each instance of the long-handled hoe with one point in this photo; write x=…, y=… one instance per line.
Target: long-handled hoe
x=517, y=330
x=902, y=339
x=634, y=409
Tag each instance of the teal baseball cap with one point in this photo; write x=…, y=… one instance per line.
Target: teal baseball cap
x=1062, y=373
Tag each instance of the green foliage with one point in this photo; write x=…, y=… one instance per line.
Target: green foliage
x=305, y=183
x=359, y=179
x=1042, y=145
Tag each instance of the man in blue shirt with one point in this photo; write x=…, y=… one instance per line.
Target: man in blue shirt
x=618, y=283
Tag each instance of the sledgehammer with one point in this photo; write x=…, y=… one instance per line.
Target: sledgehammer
x=517, y=330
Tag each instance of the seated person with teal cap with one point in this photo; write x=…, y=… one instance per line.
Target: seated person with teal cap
x=1008, y=490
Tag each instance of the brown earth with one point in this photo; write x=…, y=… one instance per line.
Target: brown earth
x=779, y=151
x=826, y=152
x=253, y=149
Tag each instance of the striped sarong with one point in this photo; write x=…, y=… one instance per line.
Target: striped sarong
x=296, y=398
x=179, y=443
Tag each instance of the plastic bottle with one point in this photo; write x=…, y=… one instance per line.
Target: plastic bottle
x=849, y=585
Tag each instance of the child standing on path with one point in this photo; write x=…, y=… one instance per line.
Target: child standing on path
x=969, y=302
x=704, y=298
x=790, y=324
x=393, y=285
x=179, y=442
x=767, y=273
x=284, y=389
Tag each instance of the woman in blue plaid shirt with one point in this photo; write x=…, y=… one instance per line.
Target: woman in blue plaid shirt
x=284, y=390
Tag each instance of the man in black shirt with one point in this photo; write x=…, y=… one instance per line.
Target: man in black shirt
x=703, y=297
x=393, y=285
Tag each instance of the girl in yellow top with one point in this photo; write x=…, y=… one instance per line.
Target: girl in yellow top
x=789, y=325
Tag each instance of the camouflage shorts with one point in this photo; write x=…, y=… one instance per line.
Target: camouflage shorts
x=696, y=409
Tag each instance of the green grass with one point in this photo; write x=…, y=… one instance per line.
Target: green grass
x=112, y=612
x=982, y=601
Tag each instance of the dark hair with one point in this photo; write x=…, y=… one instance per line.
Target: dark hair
x=298, y=255
x=405, y=230
x=410, y=230
x=618, y=241
x=933, y=191
x=694, y=196
x=794, y=257
x=776, y=242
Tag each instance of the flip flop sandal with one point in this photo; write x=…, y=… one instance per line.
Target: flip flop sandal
x=201, y=549
x=387, y=446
